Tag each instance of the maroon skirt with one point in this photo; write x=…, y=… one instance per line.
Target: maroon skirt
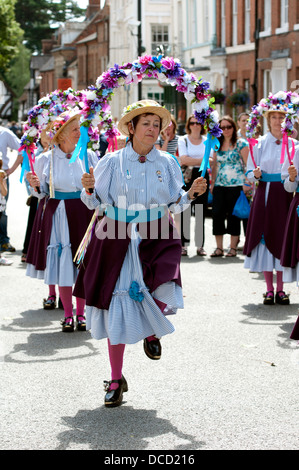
x=78, y=216
x=290, y=246
x=267, y=221
x=160, y=258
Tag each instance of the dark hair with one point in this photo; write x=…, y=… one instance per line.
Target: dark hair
x=187, y=126
x=135, y=122
x=242, y=114
x=234, y=136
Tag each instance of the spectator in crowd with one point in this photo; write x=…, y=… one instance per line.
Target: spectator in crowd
x=227, y=183
x=8, y=140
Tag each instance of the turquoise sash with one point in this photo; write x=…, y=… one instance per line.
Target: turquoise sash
x=271, y=177
x=136, y=216
x=61, y=195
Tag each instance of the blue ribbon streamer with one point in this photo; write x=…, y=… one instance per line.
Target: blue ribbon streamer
x=211, y=143
x=81, y=148
x=25, y=165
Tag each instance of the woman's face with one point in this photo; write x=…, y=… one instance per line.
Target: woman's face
x=227, y=129
x=194, y=126
x=72, y=133
x=147, y=129
x=275, y=121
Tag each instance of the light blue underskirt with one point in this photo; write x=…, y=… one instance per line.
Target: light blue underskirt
x=128, y=321
x=60, y=269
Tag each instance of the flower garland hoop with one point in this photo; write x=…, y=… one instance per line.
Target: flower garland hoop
x=286, y=101
x=46, y=111
x=165, y=69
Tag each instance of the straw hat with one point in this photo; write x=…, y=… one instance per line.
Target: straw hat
x=143, y=107
x=61, y=122
x=277, y=108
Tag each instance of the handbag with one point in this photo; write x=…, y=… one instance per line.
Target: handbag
x=242, y=207
x=187, y=170
x=187, y=173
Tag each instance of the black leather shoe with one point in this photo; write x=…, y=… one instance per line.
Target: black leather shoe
x=81, y=323
x=269, y=298
x=282, y=298
x=115, y=397
x=152, y=349
x=67, y=327
x=50, y=302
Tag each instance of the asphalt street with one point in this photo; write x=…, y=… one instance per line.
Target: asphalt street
x=227, y=379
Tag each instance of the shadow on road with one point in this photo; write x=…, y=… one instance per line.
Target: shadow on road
x=122, y=428
x=46, y=342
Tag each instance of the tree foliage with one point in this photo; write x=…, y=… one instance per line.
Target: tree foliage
x=38, y=17
x=10, y=34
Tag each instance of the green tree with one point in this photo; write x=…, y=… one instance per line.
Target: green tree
x=39, y=17
x=10, y=34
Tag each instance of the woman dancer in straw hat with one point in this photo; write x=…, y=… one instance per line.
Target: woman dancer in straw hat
x=268, y=214
x=131, y=276
x=65, y=218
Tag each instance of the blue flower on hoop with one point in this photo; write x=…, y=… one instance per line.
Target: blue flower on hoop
x=135, y=293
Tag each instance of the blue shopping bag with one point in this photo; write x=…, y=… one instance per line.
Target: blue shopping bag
x=242, y=207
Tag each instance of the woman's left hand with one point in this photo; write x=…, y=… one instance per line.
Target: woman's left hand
x=199, y=186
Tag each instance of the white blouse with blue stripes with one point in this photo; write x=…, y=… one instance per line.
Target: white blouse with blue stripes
x=122, y=181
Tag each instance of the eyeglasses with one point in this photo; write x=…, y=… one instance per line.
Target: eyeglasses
x=226, y=128
x=194, y=123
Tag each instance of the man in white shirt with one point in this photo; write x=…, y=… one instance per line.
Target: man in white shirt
x=8, y=140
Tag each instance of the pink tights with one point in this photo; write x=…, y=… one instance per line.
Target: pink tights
x=269, y=281
x=65, y=294
x=116, y=356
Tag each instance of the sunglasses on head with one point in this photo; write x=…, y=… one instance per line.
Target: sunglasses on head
x=225, y=128
x=194, y=123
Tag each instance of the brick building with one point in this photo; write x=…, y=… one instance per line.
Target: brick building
x=255, y=48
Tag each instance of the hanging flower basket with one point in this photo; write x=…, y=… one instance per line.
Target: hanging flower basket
x=238, y=98
x=218, y=95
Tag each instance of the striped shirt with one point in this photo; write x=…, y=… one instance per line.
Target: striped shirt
x=172, y=146
x=122, y=181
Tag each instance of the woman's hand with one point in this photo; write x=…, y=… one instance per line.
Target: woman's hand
x=33, y=180
x=88, y=180
x=292, y=173
x=199, y=186
x=257, y=173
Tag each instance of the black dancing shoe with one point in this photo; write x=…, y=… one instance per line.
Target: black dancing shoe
x=152, y=349
x=269, y=298
x=50, y=302
x=81, y=323
x=67, y=327
x=282, y=298
x=115, y=397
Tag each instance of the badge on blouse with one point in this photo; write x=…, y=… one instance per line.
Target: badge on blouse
x=158, y=172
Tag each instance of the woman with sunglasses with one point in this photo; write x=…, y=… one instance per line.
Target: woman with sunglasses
x=191, y=151
x=227, y=183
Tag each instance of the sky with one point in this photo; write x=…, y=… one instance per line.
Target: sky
x=83, y=3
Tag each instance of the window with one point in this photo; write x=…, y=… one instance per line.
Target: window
x=159, y=97
x=206, y=21
x=223, y=30
x=247, y=21
x=235, y=22
x=284, y=13
x=160, y=38
x=267, y=16
x=267, y=82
